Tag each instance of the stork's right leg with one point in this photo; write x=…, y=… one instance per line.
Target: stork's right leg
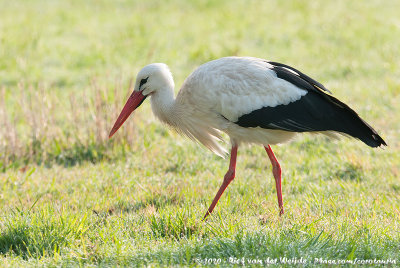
x=229, y=176
x=276, y=170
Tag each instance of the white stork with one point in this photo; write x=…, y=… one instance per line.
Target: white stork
x=252, y=100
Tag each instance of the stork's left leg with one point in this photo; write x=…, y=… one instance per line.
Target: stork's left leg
x=276, y=170
x=228, y=178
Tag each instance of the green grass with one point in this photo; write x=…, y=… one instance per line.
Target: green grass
x=71, y=197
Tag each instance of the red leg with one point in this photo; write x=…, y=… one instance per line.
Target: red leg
x=276, y=170
x=229, y=176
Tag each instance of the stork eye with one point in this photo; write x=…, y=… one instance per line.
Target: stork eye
x=143, y=81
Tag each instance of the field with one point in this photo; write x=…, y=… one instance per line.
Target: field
x=71, y=197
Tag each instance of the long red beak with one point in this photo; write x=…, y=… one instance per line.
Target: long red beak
x=133, y=102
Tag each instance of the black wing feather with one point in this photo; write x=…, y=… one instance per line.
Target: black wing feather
x=316, y=111
x=300, y=74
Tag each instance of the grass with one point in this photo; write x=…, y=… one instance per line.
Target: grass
x=70, y=197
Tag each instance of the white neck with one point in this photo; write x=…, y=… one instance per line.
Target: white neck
x=162, y=104
x=181, y=116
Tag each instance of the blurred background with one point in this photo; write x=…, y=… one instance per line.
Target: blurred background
x=67, y=67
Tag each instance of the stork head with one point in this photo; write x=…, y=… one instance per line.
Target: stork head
x=151, y=79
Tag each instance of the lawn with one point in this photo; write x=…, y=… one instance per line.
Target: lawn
x=71, y=197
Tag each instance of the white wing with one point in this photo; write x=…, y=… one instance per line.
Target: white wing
x=236, y=86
